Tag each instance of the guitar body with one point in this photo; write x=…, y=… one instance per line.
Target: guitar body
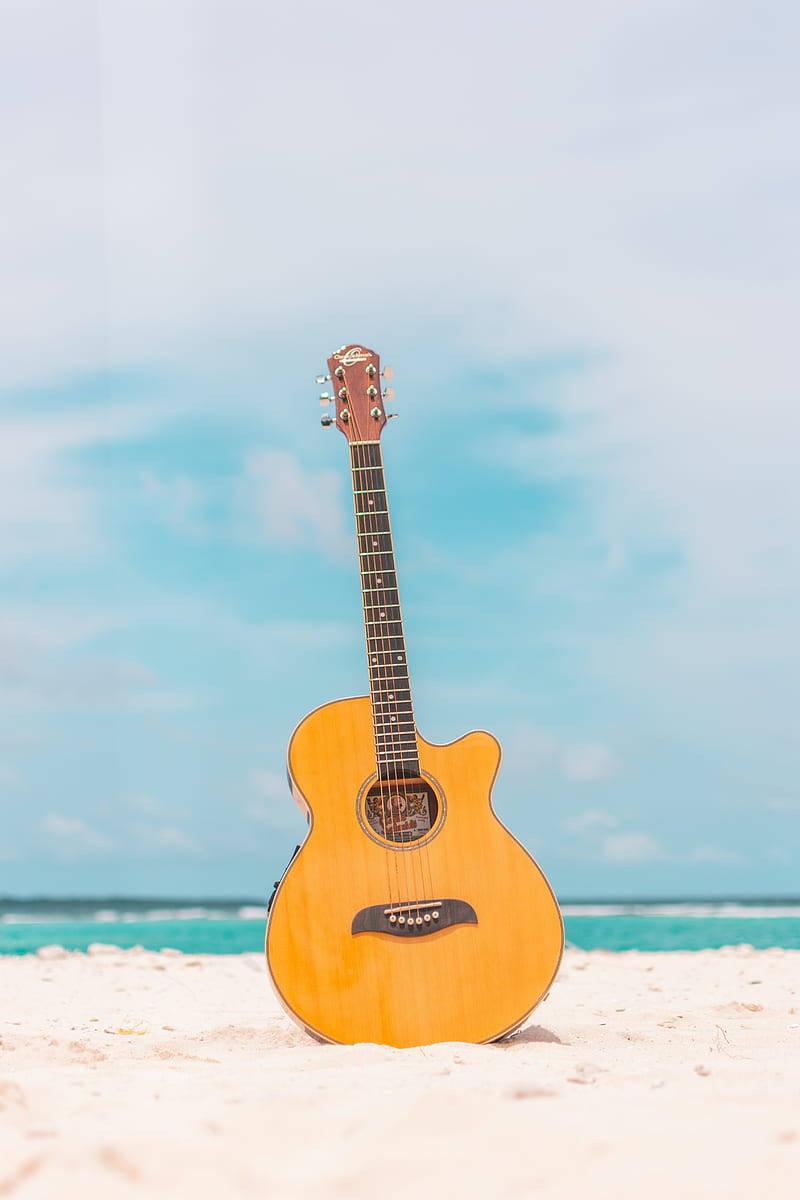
x=481, y=937
x=410, y=915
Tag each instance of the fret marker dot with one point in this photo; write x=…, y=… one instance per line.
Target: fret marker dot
x=383, y=614
x=391, y=695
x=399, y=658
x=370, y=502
x=380, y=581
x=374, y=658
x=393, y=718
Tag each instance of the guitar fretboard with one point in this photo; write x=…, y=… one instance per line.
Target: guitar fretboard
x=392, y=710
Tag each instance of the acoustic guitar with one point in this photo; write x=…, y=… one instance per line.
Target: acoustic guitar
x=410, y=914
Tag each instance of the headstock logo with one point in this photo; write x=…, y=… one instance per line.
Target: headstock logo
x=350, y=357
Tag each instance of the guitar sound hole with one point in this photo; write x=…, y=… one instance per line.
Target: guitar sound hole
x=401, y=810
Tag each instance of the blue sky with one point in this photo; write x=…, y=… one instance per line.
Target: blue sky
x=580, y=255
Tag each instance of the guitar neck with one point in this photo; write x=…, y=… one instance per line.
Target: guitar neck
x=390, y=688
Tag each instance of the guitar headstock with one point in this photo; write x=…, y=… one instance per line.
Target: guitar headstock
x=355, y=375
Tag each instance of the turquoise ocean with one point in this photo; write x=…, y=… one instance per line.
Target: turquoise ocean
x=232, y=927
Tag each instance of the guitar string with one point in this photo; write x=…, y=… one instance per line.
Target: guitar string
x=416, y=859
x=371, y=461
x=387, y=855
x=368, y=559
x=383, y=790
x=362, y=465
x=390, y=740
x=399, y=748
x=419, y=855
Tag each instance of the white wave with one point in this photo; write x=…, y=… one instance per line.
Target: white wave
x=721, y=910
x=718, y=910
x=107, y=916
x=184, y=914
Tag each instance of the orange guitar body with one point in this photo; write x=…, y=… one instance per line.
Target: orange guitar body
x=471, y=982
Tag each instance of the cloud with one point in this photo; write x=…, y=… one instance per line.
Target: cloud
x=588, y=762
x=714, y=854
x=532, y=749
x=72, y=838
x=630, y=847
x=179, y=503
x=291, y=506
x=269, y=785
x=169, y=839
x=589, y=822
x=44, y=508
x=142, y=803
x=30, y=680
x=591, y=831
x=272, y=804
x=45, y=663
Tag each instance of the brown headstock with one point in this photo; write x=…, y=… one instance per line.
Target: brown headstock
x=355, y=374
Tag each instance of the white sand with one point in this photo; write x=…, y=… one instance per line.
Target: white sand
x=159, y=1075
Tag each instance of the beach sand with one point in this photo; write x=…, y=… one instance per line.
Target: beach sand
x=162, y=1075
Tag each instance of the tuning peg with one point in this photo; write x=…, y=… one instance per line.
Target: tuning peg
x=322, y=379
x=388, y=396
x=326, y=420
x=388, y=373
x=391, y=416
x=325, y=398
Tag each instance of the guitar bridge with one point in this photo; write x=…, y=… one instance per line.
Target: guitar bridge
x=413, y=918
